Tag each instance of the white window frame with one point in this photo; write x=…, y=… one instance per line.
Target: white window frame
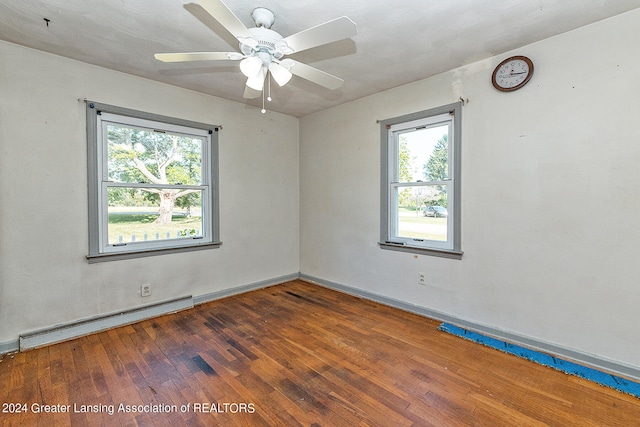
x=99, y=116
x=390, y=132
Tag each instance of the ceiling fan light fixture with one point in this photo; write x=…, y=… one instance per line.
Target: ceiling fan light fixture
x=251, y=66
x=280, y=74
x=284, y=48
x=261, y=49
x=256, y=82
x=249, y=42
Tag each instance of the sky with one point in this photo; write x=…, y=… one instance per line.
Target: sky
x=421, y=143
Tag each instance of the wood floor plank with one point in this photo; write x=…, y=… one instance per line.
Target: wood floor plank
x=296, y=354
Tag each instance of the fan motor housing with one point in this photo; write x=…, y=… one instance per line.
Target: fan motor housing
x=267, y=42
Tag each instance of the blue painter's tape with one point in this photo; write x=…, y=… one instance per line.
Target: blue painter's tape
x=618, y=383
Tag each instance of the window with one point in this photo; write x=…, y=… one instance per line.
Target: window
x=152, y=184
x=420, y=191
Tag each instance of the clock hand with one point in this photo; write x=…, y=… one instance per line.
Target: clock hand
x=513, y=74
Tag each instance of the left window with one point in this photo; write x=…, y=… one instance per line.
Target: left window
x=152, y=184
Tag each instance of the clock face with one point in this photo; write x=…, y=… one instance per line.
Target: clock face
x=512, y=73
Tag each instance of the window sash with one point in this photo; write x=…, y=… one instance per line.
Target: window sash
x=106, y=119
x=205, y=235
x=394, y=223
x=395, y=132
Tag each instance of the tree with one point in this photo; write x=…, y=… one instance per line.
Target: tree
x=437, y=169
x=404, y=171
x=404, y=158
x=143, y=156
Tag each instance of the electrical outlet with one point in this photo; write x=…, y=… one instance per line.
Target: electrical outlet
x=422, y=279
x=145, y=290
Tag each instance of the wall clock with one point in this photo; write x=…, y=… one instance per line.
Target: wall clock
x=512, y=73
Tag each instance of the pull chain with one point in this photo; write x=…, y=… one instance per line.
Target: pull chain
x=264, y=110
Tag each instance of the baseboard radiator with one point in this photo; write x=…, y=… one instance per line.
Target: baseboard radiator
x=80, y=328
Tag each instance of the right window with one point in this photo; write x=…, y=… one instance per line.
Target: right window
x=421, y=182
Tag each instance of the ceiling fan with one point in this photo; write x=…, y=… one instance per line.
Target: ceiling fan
x=262, y=50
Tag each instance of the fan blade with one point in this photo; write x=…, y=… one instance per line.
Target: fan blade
x=315, y=75
x=225, y=17
x=329, y=32
x=198, y=56
x=251, y=93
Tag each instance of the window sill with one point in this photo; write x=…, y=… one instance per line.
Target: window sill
x=443, y=253
x=148, y=252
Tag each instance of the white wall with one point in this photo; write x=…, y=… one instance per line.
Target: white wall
x=550, y=206
x=45, y=279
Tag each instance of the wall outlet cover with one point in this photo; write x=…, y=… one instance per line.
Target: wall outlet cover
x=422, y=278
x=145, y=290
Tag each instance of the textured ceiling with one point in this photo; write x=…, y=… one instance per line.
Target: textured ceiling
x=397, y=42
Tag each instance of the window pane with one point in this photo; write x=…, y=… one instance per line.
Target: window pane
x=158, y=157
x=423, y=154
x=135, y=214
x=422, y=212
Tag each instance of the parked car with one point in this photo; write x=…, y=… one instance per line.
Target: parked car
x=435, y=211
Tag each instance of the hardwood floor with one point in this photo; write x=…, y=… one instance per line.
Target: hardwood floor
x=295, y=354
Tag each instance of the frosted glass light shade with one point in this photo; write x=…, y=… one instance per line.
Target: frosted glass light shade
x=280, y=74
x=257, y=82
x=250, y=66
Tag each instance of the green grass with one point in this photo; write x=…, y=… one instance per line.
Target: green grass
x=423, y=220
x=422, y=227
x=139, y=224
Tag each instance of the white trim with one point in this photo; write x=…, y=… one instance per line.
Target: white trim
x=104, y=120
x=430, y=121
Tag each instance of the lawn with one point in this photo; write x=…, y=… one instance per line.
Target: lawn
x=421, y=227
x=126, y=227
